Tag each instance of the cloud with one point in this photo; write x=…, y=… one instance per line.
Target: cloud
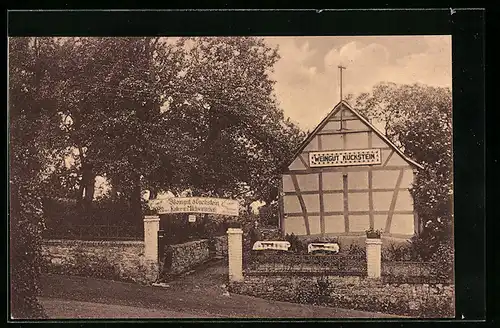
x=357, y=55
x=298, y=83
x=307, y=93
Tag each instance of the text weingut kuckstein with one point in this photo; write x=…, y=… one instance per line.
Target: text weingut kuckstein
x=340, y=158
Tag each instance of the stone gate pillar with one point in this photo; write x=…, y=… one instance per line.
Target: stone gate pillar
x=373, y=257
x=235, y=253
x=151, y=228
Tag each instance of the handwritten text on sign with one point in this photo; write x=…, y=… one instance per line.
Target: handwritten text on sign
x=345, y=157
x=219, y=206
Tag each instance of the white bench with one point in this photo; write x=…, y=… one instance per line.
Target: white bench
x=271, y=245
x=325, y=247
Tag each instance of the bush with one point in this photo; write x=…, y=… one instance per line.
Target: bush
x=437, y=307
x=268, y=214
x=296, y=245
x=66, y=219
x=324, y=239
x=102, y=212
x=25, y=254
x=417, y=250
x=354, y=250
x=401, y=252
x=375, y=234
x=177, y=229
x=317, y=294
x=444, y=257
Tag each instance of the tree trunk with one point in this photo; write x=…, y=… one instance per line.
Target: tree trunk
x=152, y=193
x=86, y=189
x=113, y=191
x=135, y=200
x=79, y=192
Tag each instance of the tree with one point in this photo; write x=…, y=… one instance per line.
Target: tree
x=77, y=102
x=109, y=94
x=239, y=138
x=140, y=145
x=31, y=122
x=148, y=113
x=418, y=118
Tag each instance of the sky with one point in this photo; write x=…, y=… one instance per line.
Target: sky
x=307, y=74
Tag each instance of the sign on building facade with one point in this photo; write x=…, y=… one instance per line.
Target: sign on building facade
x=344, y=158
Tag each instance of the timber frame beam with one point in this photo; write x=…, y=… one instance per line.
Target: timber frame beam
x=302, y=204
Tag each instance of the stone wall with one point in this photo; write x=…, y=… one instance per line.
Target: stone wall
x=416, y=300
x=403, y=271
x=118, y=260
x=189, y=255
x=220, y=246
x=277, y=263
x=124, y=260
x=407, y=269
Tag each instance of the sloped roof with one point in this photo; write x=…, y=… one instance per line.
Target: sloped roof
x=364, y=120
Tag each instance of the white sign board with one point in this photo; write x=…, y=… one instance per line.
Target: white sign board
x=345, y=157
x=192, y=218
x=207, y=205
x=274, y=245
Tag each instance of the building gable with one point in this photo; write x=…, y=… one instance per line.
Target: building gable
x=356, y=133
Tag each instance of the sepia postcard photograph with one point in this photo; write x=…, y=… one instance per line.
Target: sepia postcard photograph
x=231, y=177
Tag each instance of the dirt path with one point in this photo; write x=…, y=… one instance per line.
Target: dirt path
x=200, y=294
x=64, y=309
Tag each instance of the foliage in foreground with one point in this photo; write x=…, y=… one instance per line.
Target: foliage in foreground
x=418, y=118
x=30, y=111
x=427, y=305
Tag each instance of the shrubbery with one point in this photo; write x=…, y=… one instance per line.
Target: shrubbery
x=426, y=305
x=444, y=257
x=416, y=250
x=317, y=294
x=177, y=229
x=354, y=250
x=296, y=245
x=25, y=255
x=400, y=252
x=65, y=218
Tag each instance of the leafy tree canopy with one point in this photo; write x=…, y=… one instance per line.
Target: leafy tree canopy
x=418, y=118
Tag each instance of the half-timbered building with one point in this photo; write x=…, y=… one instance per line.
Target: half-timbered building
x=345, y=178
